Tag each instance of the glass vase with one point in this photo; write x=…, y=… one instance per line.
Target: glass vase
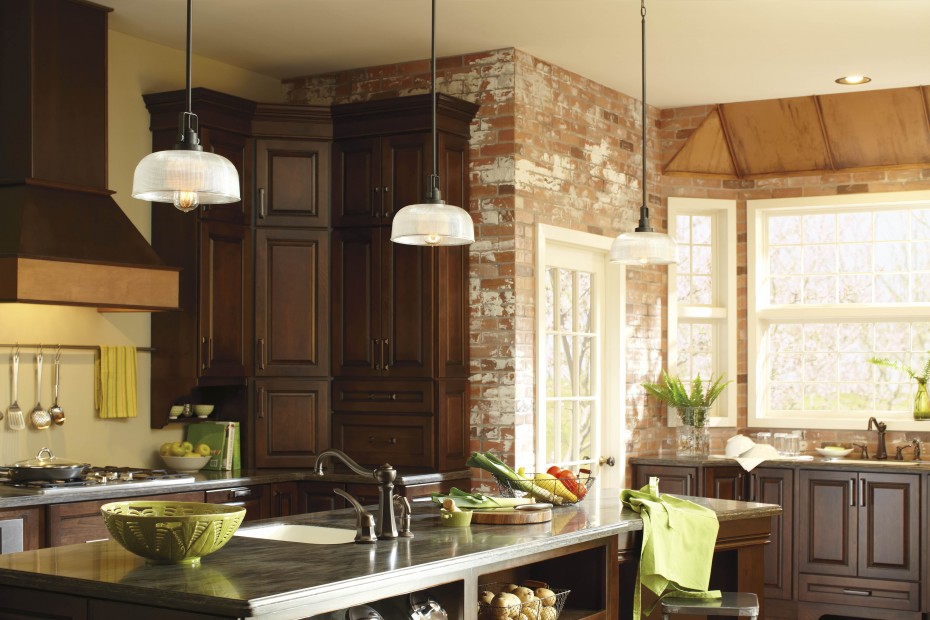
x=692, y=438
x=922, y=402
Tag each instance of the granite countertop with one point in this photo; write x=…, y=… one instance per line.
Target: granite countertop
x=207, y=480
x=806, y=462
x=251, y=576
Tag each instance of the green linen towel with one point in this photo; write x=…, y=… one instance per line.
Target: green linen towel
x=115, y=382
x=678, y=545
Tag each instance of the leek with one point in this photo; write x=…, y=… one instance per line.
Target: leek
x=476, y=501
x=488, y=462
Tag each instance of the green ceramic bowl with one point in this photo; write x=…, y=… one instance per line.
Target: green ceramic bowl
x=171, y=532
x=459, y=518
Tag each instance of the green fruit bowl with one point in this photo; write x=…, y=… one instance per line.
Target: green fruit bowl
x=185, y=463
x=171, y=532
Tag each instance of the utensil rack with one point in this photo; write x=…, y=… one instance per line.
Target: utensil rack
x=79, y=347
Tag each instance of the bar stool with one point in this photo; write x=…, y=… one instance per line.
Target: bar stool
x=742, y=604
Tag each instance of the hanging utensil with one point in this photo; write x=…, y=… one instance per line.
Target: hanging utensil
x=15, y=418
x=57, y=413
x=39, y=417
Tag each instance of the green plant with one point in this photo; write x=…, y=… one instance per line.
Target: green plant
x=920, y=377
x=692, y=407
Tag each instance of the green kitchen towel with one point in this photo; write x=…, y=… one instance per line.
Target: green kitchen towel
x=678, y=545
x=115, y=382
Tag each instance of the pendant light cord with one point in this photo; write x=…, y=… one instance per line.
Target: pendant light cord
x=188, y=124
x=434, y=194
x=644, y=210
x=190, y=38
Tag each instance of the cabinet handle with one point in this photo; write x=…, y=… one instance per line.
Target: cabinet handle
x=261, y=203
x=862, y=491
x=210, y=348
x=391, y=441
x=205, y=353
x=385, y=355
x=382, y=397
x=260, y=405
x=857, y=592
x=261, y=354
x=739, y=486
x=852, y=491
x=375, y=365
x=752, y=488
x=240, y=492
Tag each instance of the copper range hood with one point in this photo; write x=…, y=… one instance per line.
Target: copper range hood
x=63, y=239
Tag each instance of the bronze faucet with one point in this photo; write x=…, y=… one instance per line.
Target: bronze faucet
x=899, y=450
x=384, y=476
x=881, y=453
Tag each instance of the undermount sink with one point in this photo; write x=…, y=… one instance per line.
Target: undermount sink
x=875, y=462
x=308, y=534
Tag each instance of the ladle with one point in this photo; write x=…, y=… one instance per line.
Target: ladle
x=57, y=413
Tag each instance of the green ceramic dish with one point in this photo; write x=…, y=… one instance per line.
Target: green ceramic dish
x=171, y=532
x=460, y=518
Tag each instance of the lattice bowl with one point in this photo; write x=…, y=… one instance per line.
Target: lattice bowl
x=493, y=604
x=509, y=488
x=171, y=532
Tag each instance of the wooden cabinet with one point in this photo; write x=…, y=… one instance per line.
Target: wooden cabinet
x=22, y=529
x=771, y=485
x=859, y=533
x=291, y=421
x=725, y=483
x=292, y=303
x=237, y=148
x=292, y=179
x=80, y=522
x=672, y=478
x=256, y=499
x=399, y=313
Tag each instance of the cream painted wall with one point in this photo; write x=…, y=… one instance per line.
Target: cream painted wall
x=135, y=67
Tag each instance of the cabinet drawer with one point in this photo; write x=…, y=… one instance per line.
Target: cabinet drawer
x=900, y=595
x=255, y=500
x=402, y=441
x=383, y=396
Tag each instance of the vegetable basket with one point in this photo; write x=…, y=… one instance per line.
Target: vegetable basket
x=547, y=608
x=546, y=489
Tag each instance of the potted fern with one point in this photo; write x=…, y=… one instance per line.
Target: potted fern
x=922, y=398
x=692, y=436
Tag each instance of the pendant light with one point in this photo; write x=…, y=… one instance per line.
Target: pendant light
x=186, y=176
x=644, y=246
x=433, y=222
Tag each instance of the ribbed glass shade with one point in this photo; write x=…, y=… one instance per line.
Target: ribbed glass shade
x=186, y=178
x=432, y=224
x=644, y=248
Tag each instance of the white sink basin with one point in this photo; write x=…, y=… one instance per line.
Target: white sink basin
x=308, y=534
x=875, y=462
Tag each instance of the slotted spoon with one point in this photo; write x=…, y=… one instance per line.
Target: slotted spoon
x=14, y=415
x=39, y=417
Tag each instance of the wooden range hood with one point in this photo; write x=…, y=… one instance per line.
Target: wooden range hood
x=63, y=239
x=810, y=135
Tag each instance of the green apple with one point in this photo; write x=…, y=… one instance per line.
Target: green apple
x=165, y=449
x=202, y=449
x=188, y=447
x=177, y=449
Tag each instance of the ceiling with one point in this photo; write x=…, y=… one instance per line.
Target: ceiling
x=698, y=51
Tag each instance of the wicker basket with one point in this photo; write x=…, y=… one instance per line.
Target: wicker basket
x=539, y=609
x=509, y=489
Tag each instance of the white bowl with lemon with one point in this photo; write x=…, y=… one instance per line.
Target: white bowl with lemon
x=833, y=452
x=183, y=456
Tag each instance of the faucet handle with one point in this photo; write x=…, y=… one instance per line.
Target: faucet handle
x=404, y=517
x=364, y=521
x=864, y=450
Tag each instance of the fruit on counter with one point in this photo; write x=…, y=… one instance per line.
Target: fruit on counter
x=202, y=449
x=188, y=447
x=488, y=462
x=165, y=449
x=548, y=481
x=177, y=449
x=184, y=448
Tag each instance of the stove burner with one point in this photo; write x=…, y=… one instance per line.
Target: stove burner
x=101, y=477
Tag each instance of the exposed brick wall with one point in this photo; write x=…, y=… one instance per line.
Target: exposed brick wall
x=675, y=125
x=548, y=146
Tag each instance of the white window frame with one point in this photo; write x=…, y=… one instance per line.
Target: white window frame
x=760, y=317
x=610, y=440
x=725, y=314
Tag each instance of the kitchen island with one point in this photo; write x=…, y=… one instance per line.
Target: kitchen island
x=250, y=577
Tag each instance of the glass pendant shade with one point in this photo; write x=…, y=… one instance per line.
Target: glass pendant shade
x=644, y=248
x=432, y=224
x=186, y=178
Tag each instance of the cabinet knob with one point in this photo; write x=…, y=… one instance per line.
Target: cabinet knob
x=390, y=441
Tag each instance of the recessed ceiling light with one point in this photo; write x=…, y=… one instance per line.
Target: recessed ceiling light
x=853, y=80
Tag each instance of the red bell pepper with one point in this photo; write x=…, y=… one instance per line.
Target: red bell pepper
x=569, y=480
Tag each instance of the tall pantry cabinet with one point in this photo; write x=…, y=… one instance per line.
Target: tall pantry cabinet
x=399, y=313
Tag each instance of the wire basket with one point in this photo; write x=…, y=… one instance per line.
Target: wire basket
x=547, y=608
x=544, y=489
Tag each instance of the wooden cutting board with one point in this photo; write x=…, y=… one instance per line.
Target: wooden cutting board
x=511, y=517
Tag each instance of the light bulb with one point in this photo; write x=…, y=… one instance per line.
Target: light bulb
x=186, y=201
x=433, y=239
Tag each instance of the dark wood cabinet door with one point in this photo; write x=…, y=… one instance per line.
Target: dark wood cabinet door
x=357, y=349
x=373, y=439
x=724, y=483
x=32, y=522
x=776, y=486
x=237, y=148
x=319, y=496
x=406, y=163
x=256, y=500
x=672, y=479
x=828, y=522
x=285, y=499
x=406, y=308
x=452, y=328
x=225, y=300
x=356, y=190
x=889, y=526
x=292, y=302
x=292, y=179
x=291, y=421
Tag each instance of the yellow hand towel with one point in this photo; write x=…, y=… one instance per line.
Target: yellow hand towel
x=115, y=382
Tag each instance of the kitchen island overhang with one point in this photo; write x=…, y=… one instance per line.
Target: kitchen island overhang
x=272, y=579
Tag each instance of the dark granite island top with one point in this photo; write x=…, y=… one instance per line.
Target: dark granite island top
x=255, y=577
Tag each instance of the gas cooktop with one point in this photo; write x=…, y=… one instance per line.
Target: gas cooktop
x=98, y=479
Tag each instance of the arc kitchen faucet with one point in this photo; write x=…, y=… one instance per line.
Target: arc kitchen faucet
x=386, y=528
